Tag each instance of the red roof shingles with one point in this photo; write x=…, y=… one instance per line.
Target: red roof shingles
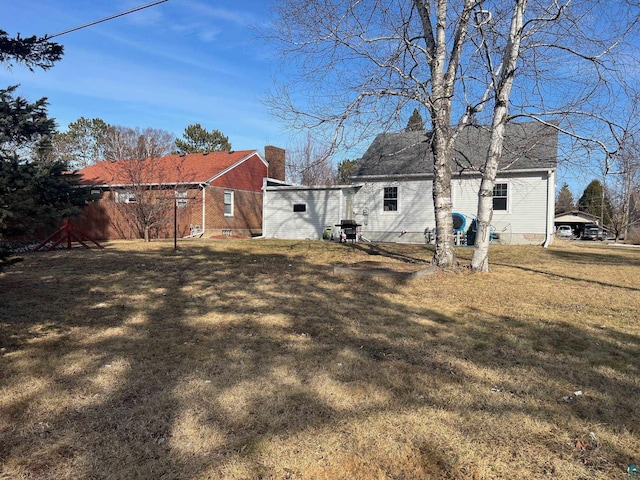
x=172, y=169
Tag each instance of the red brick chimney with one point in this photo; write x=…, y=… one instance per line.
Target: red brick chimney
x=275, y=157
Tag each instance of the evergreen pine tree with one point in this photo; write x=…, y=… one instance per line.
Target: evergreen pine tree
x=415, y=123
x=31, y=51
x=346, y=168
x=31, y=194
x=196, y=139
x=591, y=201
x=564, y=200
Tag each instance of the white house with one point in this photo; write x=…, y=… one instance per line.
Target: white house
x=391, y=197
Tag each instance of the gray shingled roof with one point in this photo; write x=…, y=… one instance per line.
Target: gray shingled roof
x=527, y=146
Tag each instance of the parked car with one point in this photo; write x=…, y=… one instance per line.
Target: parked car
x=564, y=231
x=593, y=232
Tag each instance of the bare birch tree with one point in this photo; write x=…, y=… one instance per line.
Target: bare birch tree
x=625, y=189
x=365, y=64
x=147, y=181
x=502, y=86
x=585, y=38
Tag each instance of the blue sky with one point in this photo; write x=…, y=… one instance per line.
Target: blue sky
x=168, y=66
x=171, y=65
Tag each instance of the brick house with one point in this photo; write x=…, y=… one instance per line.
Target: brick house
x=209, y=194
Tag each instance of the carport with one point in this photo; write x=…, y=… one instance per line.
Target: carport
x=576, y=220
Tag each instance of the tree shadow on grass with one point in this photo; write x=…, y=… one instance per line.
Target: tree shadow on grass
x=603, y=256
x=569, y=277
x=196, y=363
x=388, y=251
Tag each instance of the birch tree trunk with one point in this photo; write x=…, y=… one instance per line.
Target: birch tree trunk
x=443, y=79
x=480, y=258
x=445, y=254
x=626, y=208
x=440, y=110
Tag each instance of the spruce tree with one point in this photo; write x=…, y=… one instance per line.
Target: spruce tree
x=32, y=195
x=25, y=128
x=31, y=51
x=592, y=200
x=564, y=200
x=35, y=197
x=415, y=123
x=346, y=168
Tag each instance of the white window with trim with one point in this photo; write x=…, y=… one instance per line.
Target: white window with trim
x=125, y=196
x=501, y=197
x=390, y=199
x=228, y=203
x=181, y=198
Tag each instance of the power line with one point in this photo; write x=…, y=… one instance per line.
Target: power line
x=111, y=17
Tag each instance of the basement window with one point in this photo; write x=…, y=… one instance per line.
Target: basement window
x=299, y=207
x=390, y=200
x=500, y=197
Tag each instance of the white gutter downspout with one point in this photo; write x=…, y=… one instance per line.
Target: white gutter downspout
x=264, y=204
x=204, y=196
x=551, y=188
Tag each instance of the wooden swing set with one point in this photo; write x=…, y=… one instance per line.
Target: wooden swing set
x=68, y=233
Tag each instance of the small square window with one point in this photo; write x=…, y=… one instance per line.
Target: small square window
x=299, y=207
x=500, y=197
x=390, y=200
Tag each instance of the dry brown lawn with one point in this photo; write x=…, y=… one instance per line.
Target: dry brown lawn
x=252, y=360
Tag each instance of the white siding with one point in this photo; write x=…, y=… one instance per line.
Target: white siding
x=525, y=221
x=414, y=214
x=465, y=196
x=323, y=208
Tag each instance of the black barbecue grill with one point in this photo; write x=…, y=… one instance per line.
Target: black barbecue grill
x=348, y=230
